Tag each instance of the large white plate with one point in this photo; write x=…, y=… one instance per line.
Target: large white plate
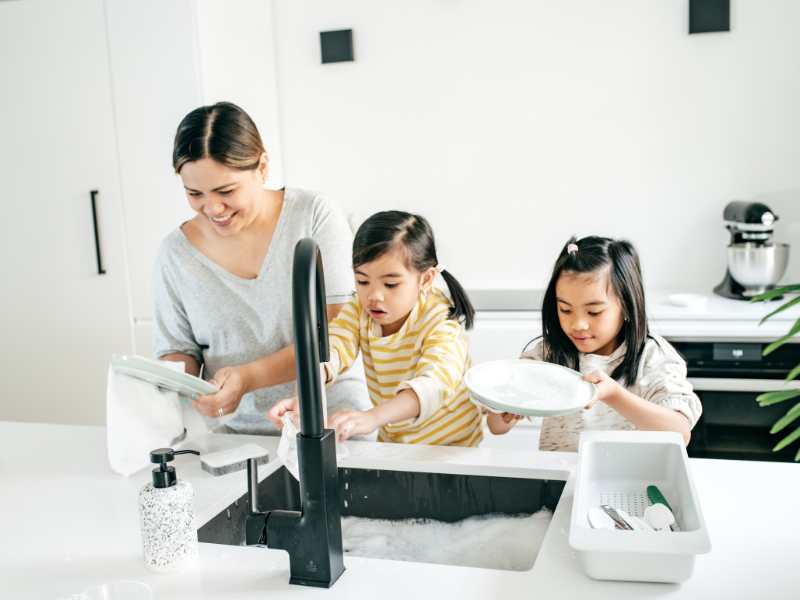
x=160, y=375
x=529, y=387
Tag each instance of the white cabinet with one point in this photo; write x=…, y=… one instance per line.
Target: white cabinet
x=156, y=81
x=503, y=334
x=92, y=93
x=60, y=317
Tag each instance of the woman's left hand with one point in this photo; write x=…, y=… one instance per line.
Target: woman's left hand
x=231, y=386
x=607, y=388
x=349, y=423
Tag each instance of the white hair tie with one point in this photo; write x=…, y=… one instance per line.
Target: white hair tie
x=439, y=268
x=572, y=248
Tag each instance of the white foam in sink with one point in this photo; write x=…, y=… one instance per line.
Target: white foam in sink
x=491, y=541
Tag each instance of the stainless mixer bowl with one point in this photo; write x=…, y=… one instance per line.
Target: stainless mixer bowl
x=757, y=267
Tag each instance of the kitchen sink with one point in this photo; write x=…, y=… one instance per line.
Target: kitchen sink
x=402, y=497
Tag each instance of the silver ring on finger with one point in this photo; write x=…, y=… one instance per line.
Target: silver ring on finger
x=221, y=412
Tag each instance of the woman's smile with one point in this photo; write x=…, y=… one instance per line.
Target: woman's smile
x=223, y=220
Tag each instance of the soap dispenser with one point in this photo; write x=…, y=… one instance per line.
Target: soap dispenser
x=166, y=515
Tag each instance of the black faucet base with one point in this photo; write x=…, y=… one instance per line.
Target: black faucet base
x=312, y=582
x=313, y=537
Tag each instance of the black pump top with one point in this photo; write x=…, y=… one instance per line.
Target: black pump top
x=164, y=476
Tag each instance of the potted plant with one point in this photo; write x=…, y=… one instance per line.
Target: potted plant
x=775, y=397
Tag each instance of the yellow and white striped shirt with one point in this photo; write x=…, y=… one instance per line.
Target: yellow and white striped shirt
x=429, y=354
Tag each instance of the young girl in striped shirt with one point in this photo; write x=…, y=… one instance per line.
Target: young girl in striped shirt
x=411, y=337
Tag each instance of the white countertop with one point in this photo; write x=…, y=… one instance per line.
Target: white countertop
x=714, y=319
x=69, y=522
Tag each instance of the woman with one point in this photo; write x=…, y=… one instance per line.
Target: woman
x=222, y=280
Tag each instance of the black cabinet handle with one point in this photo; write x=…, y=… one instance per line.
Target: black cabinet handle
x=100, y=269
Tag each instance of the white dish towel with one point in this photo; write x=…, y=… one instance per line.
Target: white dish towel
x=287, y=447
x=141, y=417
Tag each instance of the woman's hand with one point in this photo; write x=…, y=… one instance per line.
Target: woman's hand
x=231, y=386
x=276, y=413
x=608, y=389
x=349, y=423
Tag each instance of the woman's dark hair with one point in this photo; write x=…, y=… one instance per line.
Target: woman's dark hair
x=588, y=255
x=385, y=231
x=221, y=131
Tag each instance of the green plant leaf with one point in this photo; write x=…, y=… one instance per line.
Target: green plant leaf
x=781, y=341
x=786, y=419
x=793, y=373
x=797, y=456
x=774, y=293
x=795, y=435
x=770, y=398
x=781, y=308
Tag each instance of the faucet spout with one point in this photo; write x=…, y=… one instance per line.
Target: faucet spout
x=313, y=535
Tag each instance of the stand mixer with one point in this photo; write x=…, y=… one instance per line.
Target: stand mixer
x=755, y=262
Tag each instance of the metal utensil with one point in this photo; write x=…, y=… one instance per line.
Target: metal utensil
x=598, y=519
x=612, y=512
x=637, y=523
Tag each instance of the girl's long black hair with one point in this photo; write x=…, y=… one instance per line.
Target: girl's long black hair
x=625, y=277
x=384, y=231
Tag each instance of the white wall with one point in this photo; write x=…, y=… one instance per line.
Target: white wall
x=237, y=64
x=512, y=125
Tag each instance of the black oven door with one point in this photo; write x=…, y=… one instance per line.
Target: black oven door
x=734, y=426
x=728, y=377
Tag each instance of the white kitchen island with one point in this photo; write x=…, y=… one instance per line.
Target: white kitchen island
x=69, y=522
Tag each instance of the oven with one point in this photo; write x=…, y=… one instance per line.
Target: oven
x=728, y=376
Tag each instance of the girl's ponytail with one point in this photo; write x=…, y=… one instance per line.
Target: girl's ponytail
x=462, y=307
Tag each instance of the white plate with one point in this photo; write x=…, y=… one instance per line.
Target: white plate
x=529, y=387
x=160, y=375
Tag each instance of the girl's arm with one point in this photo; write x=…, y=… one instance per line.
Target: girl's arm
x=438, y=372
x=404, y=406
x=644, y=414
x=344, y=336
x=440, y=369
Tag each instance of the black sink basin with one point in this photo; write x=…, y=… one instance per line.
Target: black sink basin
x=395, y=495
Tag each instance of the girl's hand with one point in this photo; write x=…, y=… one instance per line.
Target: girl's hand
x=276, y=413
x=500, y=423
x=349, y=423
x=231, y=386
x=607, y=388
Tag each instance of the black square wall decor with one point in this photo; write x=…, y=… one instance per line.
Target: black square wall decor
x=337, y=46
x=709, y=15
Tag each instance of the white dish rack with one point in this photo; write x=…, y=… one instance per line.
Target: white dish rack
x=615, y=468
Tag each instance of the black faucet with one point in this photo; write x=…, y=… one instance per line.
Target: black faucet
x=313, y=535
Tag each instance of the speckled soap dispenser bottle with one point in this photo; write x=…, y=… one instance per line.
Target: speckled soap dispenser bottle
x=166, y=516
